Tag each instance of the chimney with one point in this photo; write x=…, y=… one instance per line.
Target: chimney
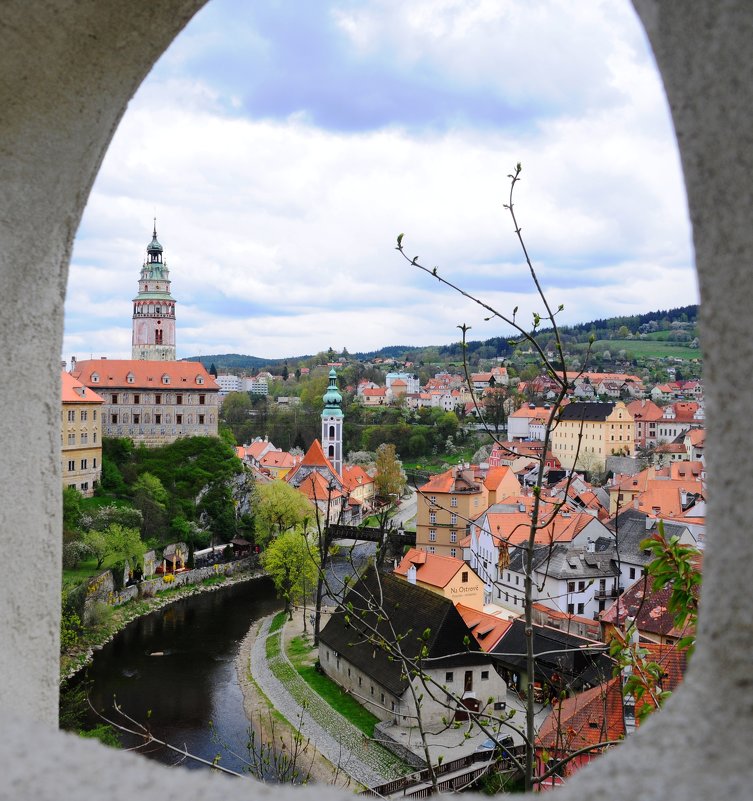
x=73, y=363
x=590, y=546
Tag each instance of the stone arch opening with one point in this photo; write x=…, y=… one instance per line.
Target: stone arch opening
x=68, y=71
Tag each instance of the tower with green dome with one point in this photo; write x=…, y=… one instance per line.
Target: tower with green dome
x=332, y=424
x=153, y=336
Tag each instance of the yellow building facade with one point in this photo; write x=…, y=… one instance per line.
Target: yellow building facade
x=152, y=402
x=445, y=506
x=587, y=433
x=80, y=435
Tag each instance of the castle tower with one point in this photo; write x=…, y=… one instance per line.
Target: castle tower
x=332, y=424
x=154, y=309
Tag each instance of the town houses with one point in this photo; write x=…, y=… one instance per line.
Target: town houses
x=547, y=523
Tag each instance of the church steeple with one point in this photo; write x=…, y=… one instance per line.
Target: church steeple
x=332, y=424
x=154, y=308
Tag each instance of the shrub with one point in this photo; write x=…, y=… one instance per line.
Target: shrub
x=74, y=553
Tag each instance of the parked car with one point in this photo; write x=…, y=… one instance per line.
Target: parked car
x=493, y=743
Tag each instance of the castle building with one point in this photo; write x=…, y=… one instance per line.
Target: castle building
x=153, y=403
x=151, y=398
x=332, y=424
x=154, y=309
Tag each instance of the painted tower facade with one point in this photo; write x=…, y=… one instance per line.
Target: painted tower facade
x=154, y=309
x=332, y=424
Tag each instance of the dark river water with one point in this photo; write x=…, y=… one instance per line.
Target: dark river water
x=175, y=671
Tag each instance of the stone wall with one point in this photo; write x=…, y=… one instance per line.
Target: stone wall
x=627, y=465
x=101, y=589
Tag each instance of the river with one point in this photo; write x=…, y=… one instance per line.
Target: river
x=174, y=670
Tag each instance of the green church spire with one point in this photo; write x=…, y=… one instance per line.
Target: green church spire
x=332, y=397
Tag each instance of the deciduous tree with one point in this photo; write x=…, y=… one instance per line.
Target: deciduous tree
x=279, y=508
x=288, y=560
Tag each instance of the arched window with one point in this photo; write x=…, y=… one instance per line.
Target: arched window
x=331, y=431
x=331, y=451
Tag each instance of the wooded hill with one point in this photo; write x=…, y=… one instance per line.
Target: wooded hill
x=674, y=325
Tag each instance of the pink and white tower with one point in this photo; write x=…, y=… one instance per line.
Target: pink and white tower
x=154, y=309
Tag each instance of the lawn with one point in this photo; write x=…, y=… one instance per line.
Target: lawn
x=303, y=657
x=648, y=348
x=87, y=569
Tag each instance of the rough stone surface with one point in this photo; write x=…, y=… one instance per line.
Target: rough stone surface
x=68, y=69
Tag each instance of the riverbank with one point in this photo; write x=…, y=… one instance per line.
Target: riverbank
x=340, y=742
x=270, y=724
x=79, y=656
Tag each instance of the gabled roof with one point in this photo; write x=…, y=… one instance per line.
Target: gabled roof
x=355, y=476
x=566, y=563
x=512, y=527
x=278, y=459
x=647, y=607
x=115, y=374
x=632, y=527
x=645, y=411
x=433, y=569
x=496, y=475
x=315, y=456
x=591, y=717
x=316, y=488
x=487, y=629
x=576, y=660
x=596, y=715
x=452, y=480
x=585, y=410
x=420, y=617
x=73, y=391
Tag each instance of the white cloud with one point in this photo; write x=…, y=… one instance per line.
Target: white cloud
x=280, y=235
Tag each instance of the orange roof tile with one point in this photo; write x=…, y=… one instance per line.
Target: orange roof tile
x=589, y=718
x=513, y=528
x=645, y=410
x=496, y=475
x=487, y=629
x=355, y=476
x=73, y=391
x=431, y=568
x=279, y=459
x=316, y=488
x=114, y=373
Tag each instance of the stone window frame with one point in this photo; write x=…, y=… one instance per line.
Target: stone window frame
x=693, y=750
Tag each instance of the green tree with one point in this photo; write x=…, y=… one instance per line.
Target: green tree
x=313, y=391
x=114, y=540
x=279, y=508
x=390, y=480
x=72, y=499
x=288, y=560
x=495, y=409
x=151, y=499
x=235, y=412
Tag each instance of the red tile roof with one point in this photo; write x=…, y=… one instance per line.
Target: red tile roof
x=114, y=373
x=355, y=476
x=487, y=629
x=73, y=391
x=433, y=569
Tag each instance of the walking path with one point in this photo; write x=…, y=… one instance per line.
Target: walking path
x=334, y=736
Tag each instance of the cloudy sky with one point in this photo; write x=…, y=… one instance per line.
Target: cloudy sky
x=283, y=145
